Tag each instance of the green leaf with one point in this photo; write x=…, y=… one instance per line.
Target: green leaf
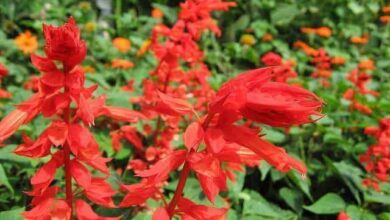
x=284, y=14
x=292, y=198
x=351, y=177
x=258, y=207
x=330, y=203
x=4, y=179
x=302, y=183
x=376, y=197
x=13, y=214
x=264, y=168
x=274, y=135
x=355, y=7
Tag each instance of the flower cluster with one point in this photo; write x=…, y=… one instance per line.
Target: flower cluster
x=377, y=157
x=180, y=73
x=359, y=78
x=66, y=142
x=252, y=95
x=322, y=63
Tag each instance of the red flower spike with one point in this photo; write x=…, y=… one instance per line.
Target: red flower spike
x=73, y=144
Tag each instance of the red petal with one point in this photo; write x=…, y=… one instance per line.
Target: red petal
x=163, y=167
x=57, y=133
x=161, y=214
x=206, y=165
x=81, y=174
x=176, y=105
x=43, y=64
x=85, y=212
x=193, y=135
x=275, y=156
x=214, y=140
x=53, y=79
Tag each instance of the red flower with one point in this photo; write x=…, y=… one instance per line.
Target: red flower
x=64, y=44
x=3, y=70
x=343, y=216
x=271, y=59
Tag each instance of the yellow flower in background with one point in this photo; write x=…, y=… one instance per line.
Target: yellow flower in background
x=122, y=44
x=121, y=64
x=144, y=48
x=26, y=42
x=88, y=69
x=248, y=39
x=90, y=26
x=84, y=5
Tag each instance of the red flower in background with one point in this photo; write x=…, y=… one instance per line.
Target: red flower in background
x=359, y=79
x=67, y=141
x=377, y=157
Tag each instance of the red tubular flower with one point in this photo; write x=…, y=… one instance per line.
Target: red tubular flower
x=66, y=137
x=64, y=41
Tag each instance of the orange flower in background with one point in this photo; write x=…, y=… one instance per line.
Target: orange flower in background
x=121, y=64
x=157, y=13
x=306, y=48
x=321, y=31
x=386, y=9
x=144, y=48
x=324, y=31
x=360, y=40
x=88, y=69
x=338, y=60
x=247, y=39
x=267, y=38
x=367, y=64
x=307, y=30
x=385, y=19
x=122, y=44
x=26, y=42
